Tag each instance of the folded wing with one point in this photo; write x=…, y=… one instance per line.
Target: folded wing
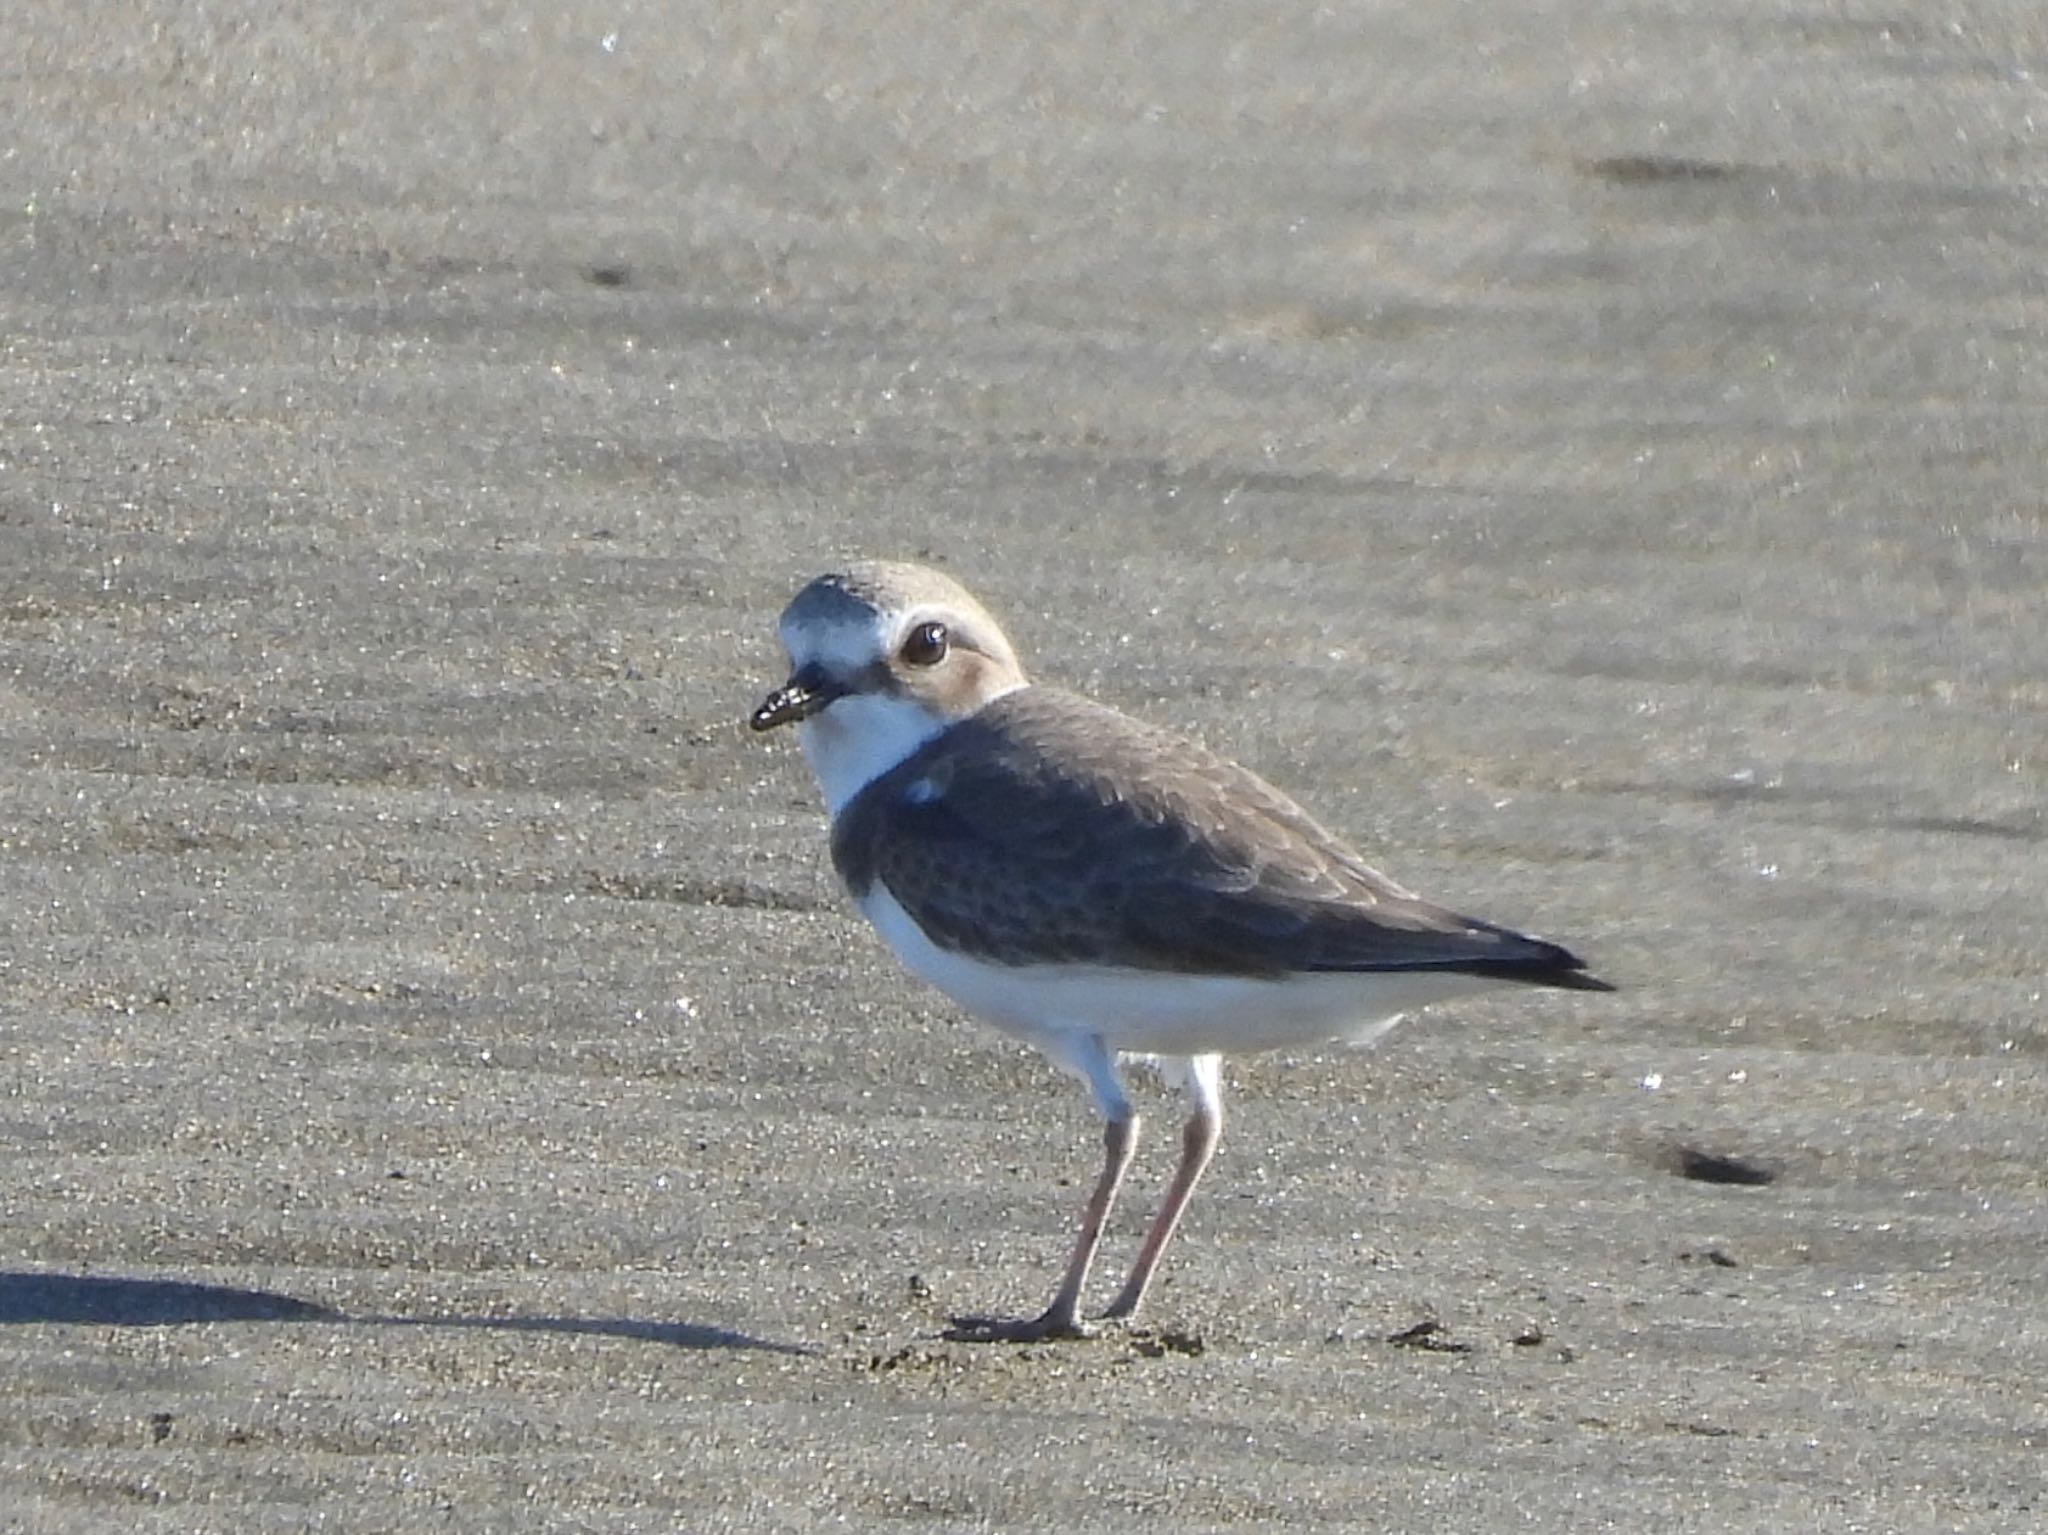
x=1050, y=829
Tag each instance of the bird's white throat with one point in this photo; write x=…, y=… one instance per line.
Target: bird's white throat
x=861, y=737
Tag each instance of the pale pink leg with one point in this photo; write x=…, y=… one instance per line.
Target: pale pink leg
x=1201, y=1075
x=1062, y=1319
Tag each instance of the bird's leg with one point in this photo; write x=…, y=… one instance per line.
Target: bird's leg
x=1062, y=1319
x=1202, y=1078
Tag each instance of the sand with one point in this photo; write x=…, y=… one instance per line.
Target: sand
x=1591, y=453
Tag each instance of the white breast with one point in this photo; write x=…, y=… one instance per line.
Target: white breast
x=860, y=738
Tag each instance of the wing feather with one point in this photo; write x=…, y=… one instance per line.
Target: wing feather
x=1049, y=828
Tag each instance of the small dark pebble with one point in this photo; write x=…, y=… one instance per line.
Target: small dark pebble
x=1642, y=170
x=1703, y=1430
x=610, y=275
x=1712, y=1255
x=1168, y=1340
x=907, y=1357
x=1711, y=1167
x=1425, y=1335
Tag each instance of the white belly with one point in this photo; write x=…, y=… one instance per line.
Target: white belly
x=1159, y=1012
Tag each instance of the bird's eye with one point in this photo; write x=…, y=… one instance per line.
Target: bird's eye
x=926, y=645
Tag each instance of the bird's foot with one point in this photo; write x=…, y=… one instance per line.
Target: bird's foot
x=1054, y=1324
x=1124, y=1308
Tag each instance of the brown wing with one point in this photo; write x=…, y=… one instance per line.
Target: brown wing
x=1048, y=828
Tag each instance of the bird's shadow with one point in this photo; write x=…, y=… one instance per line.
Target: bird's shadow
x=110, y=1301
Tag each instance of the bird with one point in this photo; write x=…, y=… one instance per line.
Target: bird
x=1102, y=889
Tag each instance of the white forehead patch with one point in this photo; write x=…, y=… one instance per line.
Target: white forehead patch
x=842, y=645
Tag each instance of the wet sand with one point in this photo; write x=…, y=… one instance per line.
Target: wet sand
x=1593, y=455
